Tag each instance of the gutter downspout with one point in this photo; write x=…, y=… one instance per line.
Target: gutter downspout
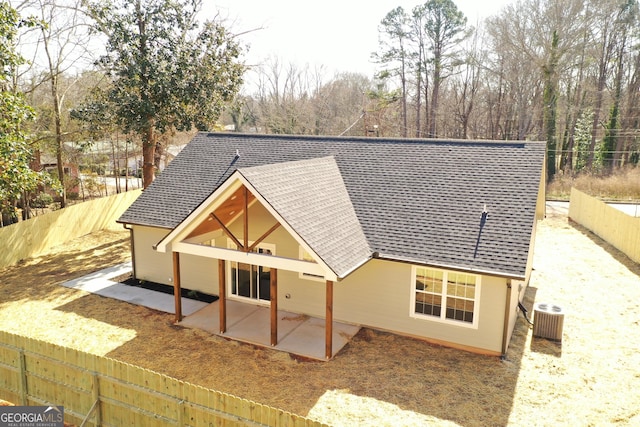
x=505, y=329
x=133, y=252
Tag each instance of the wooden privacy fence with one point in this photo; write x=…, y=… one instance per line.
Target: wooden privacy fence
x=99, y=391
x=614, y=226
x=28, y=238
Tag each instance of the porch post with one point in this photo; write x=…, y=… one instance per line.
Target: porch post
x=328, y=349
x=222, y=304
x=273, y=295
x=246, y=219
x=177, y=291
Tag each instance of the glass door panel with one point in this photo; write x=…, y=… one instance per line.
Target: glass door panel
x=251, y=281
x=244, y=280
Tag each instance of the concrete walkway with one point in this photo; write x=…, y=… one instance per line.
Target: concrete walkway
x=100, y=283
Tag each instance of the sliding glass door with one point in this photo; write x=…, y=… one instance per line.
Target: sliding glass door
x=251, y=281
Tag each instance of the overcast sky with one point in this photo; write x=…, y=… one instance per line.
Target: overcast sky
x=339, y=34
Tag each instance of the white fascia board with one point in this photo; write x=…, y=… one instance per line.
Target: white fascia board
x=254, y=258
x=201, y=213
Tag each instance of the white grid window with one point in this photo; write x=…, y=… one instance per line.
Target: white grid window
x=445, y=295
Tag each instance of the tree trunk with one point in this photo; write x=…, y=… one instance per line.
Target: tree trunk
x=126, y=165
x=550, y=100
x=403, y=78
x=435, y=92
x=148, y=154
x=602, y=79
x=616, y=142
x=59, y=142
x=418, y=101
x=435, y=95
x=116, y=166
x=632, y=121
x=424, y=130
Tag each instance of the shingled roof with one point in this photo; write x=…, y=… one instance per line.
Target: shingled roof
x=419, y=201
x=311, y=197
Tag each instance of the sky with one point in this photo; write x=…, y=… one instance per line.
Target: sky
x=337, y=34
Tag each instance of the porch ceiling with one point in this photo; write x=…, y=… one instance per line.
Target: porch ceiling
x=229, y=210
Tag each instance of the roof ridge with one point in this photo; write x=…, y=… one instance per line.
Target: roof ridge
x=288, y=162
x=376, y=140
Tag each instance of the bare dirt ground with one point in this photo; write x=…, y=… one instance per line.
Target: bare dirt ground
x=379, y=379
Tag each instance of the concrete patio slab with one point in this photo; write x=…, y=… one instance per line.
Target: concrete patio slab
x=299, y=334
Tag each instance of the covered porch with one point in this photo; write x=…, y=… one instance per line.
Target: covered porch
x=255, y=213
x=297, y=333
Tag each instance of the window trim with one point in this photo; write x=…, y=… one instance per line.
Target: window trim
x=442, y=318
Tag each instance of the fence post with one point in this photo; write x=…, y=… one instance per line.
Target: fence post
x=23, y=379
x=180, y=419
x=95, y=393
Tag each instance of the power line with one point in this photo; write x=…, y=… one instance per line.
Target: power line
x=596, y=151
x=353, y=124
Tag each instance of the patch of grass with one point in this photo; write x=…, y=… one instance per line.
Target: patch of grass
x=621, y=185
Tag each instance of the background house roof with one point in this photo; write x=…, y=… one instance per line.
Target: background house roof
x=416, y=200
x=311, y=197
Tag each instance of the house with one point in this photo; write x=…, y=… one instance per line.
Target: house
x=426, y=238
x=48, y=162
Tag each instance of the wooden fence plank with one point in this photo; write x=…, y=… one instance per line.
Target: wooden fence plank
x=23, y=379
x=10, y=378
x=127, y=395
x=617, y=228
x=10, y=356
x=61, y=226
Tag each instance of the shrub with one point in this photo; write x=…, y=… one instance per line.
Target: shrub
x=42, y=200
x=622, y=185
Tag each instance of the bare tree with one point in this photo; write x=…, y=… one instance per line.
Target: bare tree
x=58, y=52
x=605, y=41
x=444, y=27
x=394, y=33
x=465, y=86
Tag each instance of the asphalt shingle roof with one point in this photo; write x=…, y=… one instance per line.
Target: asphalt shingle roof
x=311, y=197
x=416, y=200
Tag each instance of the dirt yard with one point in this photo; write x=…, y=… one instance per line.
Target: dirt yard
x=379, y=379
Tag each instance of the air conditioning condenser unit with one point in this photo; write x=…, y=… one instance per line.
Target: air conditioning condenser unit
x=548, y=320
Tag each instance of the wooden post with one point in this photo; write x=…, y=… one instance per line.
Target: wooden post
x=222, y=293
x=328, y=349
x=246, y=219
x=95, y=394
x=24, y=392
x=273, y=296
x=177, y=292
